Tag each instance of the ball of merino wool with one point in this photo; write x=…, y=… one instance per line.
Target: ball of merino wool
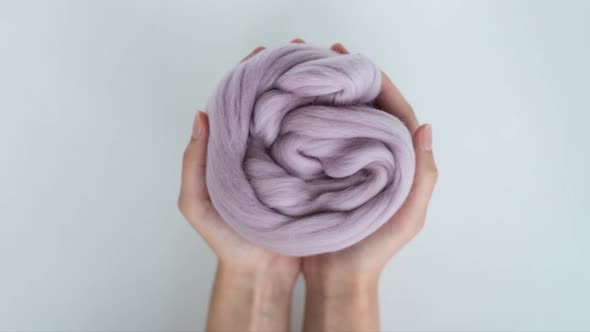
x=299, y=161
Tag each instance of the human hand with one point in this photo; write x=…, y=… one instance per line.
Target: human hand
x=252, y=283
x=345, y=282
x=195, y=204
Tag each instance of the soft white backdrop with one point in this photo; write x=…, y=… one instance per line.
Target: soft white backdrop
x=96, y=104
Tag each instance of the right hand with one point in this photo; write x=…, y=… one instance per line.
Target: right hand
x=364, y=261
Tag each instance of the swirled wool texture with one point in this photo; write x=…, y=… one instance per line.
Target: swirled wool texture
x=299, y=161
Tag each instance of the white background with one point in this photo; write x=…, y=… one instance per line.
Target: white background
x=96, y=105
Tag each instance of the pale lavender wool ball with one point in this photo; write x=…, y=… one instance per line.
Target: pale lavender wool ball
x=299, y=160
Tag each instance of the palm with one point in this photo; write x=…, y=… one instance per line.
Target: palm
x=372, y=252
x=227, y=244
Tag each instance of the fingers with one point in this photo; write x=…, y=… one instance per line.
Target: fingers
x=391, y=101
x=193, y=188
x=253, y=53
x=339, y=48
x=410, y=218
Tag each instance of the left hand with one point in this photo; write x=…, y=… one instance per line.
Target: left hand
x=233, y=251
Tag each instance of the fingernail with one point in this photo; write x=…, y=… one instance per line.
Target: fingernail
x=338, y=47
x=427, y=138
x=196, y=126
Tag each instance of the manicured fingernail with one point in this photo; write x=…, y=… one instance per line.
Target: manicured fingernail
x=427, y=138
x=196, y=126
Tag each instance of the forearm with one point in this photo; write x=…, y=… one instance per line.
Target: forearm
x=249, y=300
x=341, y=304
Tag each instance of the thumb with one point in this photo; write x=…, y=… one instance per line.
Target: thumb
x=411, y=216
x=426, y=171
x=193, y=186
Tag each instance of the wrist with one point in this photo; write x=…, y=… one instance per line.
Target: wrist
x=258, y=298
x=327, y=278
x=257, y=277
x=338, y=301
x=342, y=287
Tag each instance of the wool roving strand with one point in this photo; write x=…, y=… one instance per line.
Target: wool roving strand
x=300, y=162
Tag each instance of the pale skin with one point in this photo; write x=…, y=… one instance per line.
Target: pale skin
x=253, y=286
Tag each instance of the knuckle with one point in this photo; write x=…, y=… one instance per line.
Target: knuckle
x=186, y=153
x=183, y=204
x=412, y=229
x=413, y=225
x=419, y=225
x=190, y=207
x=432, y=174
